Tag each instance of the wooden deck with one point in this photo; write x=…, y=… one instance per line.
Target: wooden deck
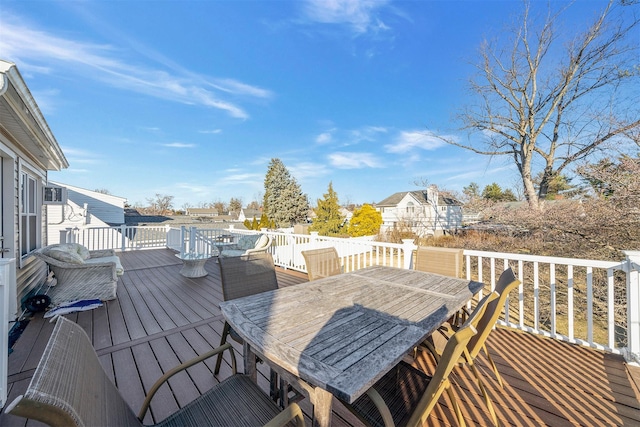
x=161, y=319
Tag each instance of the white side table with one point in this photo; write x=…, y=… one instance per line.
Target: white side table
x=193, y=264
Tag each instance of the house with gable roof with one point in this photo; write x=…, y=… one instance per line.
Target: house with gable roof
x=28, y=150
x=82, y=208
x=425, y=212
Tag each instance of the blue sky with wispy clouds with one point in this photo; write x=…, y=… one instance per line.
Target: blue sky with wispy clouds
x=193, y=98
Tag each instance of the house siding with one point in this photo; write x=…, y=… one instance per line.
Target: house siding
x=102, y=210
x=423, y=212
x=26, y=144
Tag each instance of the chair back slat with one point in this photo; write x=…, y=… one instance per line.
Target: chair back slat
x=247, y=275
x=440, y=380
x=323, y=262
x=506, y=283
x=445, y=261
x=70, y=387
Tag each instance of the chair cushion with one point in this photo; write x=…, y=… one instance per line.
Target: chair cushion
x=114, y=258
x=228, y=253
x=262, y=241
x=248, y=241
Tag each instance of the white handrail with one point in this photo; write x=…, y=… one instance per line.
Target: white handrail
x=557, y=297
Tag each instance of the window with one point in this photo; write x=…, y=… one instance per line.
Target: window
x=410, y=207
x=28, y=213
x=443, y=208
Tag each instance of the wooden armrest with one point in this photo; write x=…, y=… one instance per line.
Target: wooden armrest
x=291, y=412
x=182, y=367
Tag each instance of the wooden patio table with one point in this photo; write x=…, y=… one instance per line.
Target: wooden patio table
x=338, y=335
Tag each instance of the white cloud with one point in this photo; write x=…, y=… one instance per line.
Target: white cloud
x=179, y=145
x=106, y=63
x=307, y=170
x=75, y=156
x=350, y=160
x=211, y=132
x=359, y=15
x=324, y=138
x=410, y=140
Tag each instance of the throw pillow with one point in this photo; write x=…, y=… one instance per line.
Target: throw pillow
x=65, y=256
x=248, y=241
x=75, y=248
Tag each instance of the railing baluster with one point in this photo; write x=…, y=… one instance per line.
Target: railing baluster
x=536, y=295
x=521, y=293
x=570, y=324
x=611, y=324
x=552, y=284
x=589, y=304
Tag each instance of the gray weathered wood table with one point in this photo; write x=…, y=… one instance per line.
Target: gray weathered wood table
x=338, y=335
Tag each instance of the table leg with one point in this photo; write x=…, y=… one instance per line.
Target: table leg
x=250, y=362
x=321, y=400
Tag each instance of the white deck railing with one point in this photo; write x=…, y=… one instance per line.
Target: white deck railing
x=588, y=302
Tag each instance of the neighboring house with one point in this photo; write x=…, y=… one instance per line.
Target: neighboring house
x=425, y=212
x=346, y=214
x=82, y=209
x=246, y=213
x=28, y=150
x=202, y=212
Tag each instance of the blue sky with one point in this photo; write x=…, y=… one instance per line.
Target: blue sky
x=193, y=98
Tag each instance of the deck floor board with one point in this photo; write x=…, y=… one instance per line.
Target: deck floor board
x=161, y=319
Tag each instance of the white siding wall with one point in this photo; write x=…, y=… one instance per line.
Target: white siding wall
x=102, y=210
x=424, y=218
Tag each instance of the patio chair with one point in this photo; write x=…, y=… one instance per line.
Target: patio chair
x=243, y=276
x=445, y=261
x=322, y=262
x=405, y=396
x=248, y=244
x=70, y=388
x=506, y=283
x=80, y=273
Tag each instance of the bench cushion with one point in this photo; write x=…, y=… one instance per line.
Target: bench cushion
x=114, y=258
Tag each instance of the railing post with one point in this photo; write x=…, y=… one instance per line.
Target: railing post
x=408, y=248
x=183, y=236
x=313, y=238
x=63, y=235
x=192, y=239
x=633, y=306
x=8, y=311
x=123, y=240
x=74, y=235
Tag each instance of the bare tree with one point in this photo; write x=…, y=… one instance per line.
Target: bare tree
x=549, y=113
x=220, y=206
x=160, y=204
x=235, y=204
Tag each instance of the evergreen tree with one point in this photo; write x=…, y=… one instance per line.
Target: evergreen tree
x=495, y=193
x=258, y=224
x=328, y=221
x=366, y=221
x=284, y=202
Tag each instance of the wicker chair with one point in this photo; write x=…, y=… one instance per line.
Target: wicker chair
x=322, y=262
x=248, y=244
x=405, y=395
x=80, y=273
x=70, y=388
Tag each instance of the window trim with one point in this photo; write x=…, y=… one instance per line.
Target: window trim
x=34, y=201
